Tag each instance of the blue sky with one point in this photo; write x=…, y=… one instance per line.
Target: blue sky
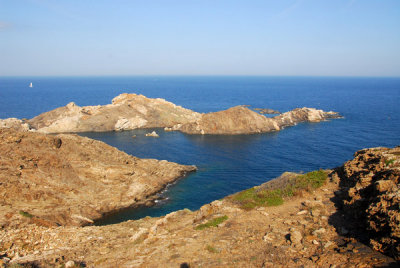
x=216, y=37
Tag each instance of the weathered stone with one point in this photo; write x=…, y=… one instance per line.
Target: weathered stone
x=152, y=134
x=72, y=180
x=295, y=236
x=69, y=264
x=371, y=183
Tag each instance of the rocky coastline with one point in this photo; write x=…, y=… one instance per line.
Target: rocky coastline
x=345, y=217
x=54, y=187
x=132, y=111
x=68, y=180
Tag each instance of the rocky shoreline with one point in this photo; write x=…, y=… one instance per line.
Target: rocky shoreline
x=71, y=180
x=312, y=220
x=54, y=187
x=132, y=111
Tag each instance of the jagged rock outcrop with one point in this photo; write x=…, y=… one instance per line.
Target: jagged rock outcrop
x=72, y=180
x=131, y=111
x=127, y=111
x=241, y=120
x=14, y=123
x=371, y=197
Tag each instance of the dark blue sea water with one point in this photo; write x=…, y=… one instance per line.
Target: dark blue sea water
x=227, y=164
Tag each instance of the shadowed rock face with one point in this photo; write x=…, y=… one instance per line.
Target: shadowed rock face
x=72, y=180
x=131, y=111
x=370, y=198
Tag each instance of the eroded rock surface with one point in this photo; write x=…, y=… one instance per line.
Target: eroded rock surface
x=14, y=123
x=371, y=198
x=72, y=180
x=303, y=232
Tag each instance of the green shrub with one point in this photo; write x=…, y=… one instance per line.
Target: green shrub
x=253, y=197
x=25, y=214
x=212, y=249
x=389, y=162
x=315, y=179
x=212, y=223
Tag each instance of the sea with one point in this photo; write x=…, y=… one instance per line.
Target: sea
x=370, y=107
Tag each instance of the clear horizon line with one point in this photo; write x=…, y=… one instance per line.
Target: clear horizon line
x=199, y=75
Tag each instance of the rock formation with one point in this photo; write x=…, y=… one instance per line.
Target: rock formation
x=72, y=180
x=131, y=111
x=127, y=111
x=15, y=124
x=241, y=120
x=309, y=229
x=370, y=197
x=152, y=134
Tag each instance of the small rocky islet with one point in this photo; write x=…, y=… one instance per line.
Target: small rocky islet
x=54, y=186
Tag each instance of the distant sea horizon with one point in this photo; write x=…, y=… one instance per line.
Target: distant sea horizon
x=199, y=75
x=228, y=164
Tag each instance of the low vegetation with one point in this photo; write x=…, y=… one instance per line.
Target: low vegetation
x=25, y=214
x=258, y=197
x=389, y=162
x=212, y=223
x=212, y=249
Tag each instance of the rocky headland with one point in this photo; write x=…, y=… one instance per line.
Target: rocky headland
x=346, y=217
x=71, y=180
x=132, y=111
x=242, y=120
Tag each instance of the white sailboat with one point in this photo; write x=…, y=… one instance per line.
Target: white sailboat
x=31, y=85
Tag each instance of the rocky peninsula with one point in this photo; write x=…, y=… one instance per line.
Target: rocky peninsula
x=345, y=217
x=71, y=180
x=132, y=111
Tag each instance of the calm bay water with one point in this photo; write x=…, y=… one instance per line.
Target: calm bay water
x=227, y=164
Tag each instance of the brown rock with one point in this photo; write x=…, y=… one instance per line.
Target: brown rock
x=241, y=120
x=371, y=197
x=72, y=180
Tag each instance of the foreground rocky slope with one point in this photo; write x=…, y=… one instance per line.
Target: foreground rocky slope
x=131, y=111
x=310, y=229
x=71, y=180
